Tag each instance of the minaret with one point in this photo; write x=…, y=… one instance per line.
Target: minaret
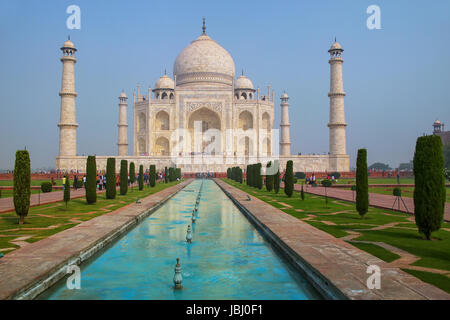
x=285, y=141
x=123, y=126
x=68, y=125
x=337, y=123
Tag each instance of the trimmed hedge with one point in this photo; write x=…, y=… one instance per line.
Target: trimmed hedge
x=46, y=187
x=91, y=180
x=336, y=175
x=429, y=190
x=111, y=178
x=123, y=177
x=22, y=184
x=300, y=175
x=362, y=183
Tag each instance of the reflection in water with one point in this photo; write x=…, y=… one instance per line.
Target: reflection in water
x=228, y=258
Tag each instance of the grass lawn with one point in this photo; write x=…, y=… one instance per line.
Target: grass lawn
x=439, y=280
x=9, y=193
x=432, y=254
x=407, y=192
x=379, y=181
x=46, y=220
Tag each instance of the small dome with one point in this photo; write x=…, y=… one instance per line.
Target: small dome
x=123, y=95
x=437, y=122
x=165, y=82
x=68, y=44
x=243, y=83
x=336, y=46
x=284, y=96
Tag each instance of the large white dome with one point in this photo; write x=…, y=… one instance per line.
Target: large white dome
x=204, y=60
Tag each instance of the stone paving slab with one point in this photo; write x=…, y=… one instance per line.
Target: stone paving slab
x=342, y=265
x=23, y=268
x=383, y=201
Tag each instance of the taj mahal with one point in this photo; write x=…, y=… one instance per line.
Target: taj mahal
x=205, y=118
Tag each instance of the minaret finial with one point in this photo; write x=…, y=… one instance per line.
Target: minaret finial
x=242, y=71
x=335, y=39
x=165, y=72
x=68, y=37
x=204, y=25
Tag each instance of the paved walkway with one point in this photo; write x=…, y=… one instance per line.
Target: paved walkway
x=341, y=264
x=375, y=199
x=23, y=268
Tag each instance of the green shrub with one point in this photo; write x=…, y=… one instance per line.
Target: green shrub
x=362, y=183
x=171, y=174
x=289, y=179
x=429, y=190
x=300, y=175
x=152, y=175
x=46, y=186
x=67, y=191
x=111, y=178
x=276, y=182
x=22, y=184
x=166, y=175
x=79, y=183
x=397, y=192
x=123, y=177
x=327, y=183
x=353, y=188
x=336, y=175
x=141, y=177
x=91, y=180
x=259, y=177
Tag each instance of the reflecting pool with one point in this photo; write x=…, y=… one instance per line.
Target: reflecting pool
x=227, y=259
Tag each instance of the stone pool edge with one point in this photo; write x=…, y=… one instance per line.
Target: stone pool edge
x=318, y=260
x=44, y=279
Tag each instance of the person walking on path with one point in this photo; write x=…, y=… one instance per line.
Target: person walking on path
x=64, y=182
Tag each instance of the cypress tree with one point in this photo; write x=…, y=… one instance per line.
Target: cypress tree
x=166, y=175
x=269, y=177
x=429, y=190
x=250, y=176
x=276, y=182
x=67, y=191
x=259, y=176
x=241, y=176
x=246, y=174
x=141, y=177
x=289, y=179
x=362, y=183
x=91, y=180
x=111, y=178
x=22, y=184
x=123, y=177
x=152, y=175
x=302, y=193
x=132, y=173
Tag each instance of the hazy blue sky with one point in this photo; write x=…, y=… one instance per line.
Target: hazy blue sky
x=397, y=78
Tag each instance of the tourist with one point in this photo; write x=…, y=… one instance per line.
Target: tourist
x=84, y=181
x=64, y=182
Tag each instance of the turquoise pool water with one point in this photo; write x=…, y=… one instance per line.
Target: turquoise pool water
x=228, y=258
